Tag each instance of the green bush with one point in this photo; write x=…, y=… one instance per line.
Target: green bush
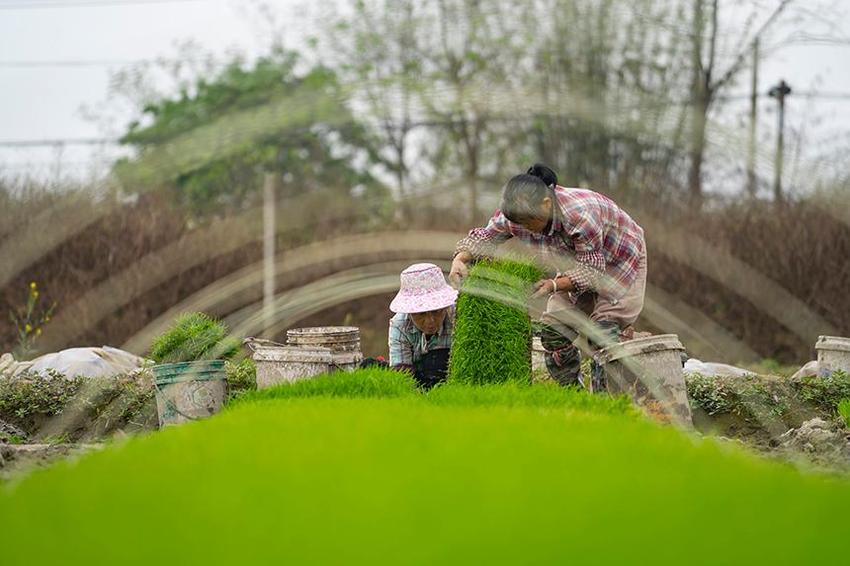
x=27, y=395
x=241, y=376
x=492, y=335
x=193, y=337
x=751, y=397
x=91, y=407
x=825, y=391
x=759, y=397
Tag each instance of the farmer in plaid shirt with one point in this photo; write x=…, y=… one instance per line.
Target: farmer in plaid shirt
x=597, y=252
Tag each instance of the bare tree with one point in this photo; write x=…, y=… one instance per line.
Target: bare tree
x=377, y=52
x=708, y=81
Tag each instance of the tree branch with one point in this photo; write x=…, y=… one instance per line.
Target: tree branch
x=712, y=48
x=742, y=55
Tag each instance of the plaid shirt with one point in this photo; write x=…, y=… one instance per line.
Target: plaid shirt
x=408, y=344
x=603, y=241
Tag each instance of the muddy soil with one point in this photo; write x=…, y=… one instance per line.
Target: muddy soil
x=17, y=460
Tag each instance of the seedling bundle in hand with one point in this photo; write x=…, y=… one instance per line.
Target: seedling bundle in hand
x=492, y=336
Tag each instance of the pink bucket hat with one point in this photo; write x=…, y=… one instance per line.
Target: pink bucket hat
x=423, y=288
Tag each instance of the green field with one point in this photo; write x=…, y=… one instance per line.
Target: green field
x=362, y=468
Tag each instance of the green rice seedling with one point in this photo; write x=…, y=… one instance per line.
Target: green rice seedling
x=193, y=337
x=844, y=411
x=387, y=383
x=492, y=335
x=332, y=480
x=371, y=382
x=541, y=395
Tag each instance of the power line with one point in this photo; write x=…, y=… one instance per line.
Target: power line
x=46, y=164
x=59, y=141
x=23, y=64
x=739, y=60
x=70, y=63
x=514, y=116
x=823, y=95
x=797, y=94
x=39, y=4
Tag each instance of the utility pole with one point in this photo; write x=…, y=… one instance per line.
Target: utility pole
x=779, y=92
x=58, y=152
x=269, y=233
x=752, y=186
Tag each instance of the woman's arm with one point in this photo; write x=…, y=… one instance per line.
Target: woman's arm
x=479, y=243
x=589, y=268
x=482, y=242
x=586, y=230
x=401, y=350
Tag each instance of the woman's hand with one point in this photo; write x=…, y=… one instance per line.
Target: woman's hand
x=460, y=269
x=546, y=287
x=543, y=288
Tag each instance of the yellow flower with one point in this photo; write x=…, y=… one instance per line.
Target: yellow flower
x=46, y=319
x=32, y=285
x=35, y=294
x=38, y=331
x=28, y=328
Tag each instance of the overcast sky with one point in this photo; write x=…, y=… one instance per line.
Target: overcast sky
x=43, y=101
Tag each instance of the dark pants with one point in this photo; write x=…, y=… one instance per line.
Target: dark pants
x=432, y=368
x=563, y=358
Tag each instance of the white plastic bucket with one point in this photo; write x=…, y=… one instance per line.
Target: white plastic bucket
x=833, y=354
x=538, y=360
x=337, y=338
x=650, y=371
x=278, y=363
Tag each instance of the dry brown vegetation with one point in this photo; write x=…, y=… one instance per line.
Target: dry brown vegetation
x=801, y=247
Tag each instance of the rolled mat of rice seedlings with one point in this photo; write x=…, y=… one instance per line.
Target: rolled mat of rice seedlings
x=492, y=335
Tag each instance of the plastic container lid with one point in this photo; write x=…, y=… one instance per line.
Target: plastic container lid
x=835, y=343
x=302, y=354
x=324, y=332
x=638, y=346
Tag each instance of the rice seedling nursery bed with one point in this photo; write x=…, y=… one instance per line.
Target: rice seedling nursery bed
x=364, y=468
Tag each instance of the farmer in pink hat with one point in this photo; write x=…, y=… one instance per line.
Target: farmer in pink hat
x=421, y=331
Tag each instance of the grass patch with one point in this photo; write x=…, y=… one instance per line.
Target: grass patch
x=400, y=480
x=367, y=382
x=386, y=383
x=541, y=395
x=492, y=334
x=770, y=366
